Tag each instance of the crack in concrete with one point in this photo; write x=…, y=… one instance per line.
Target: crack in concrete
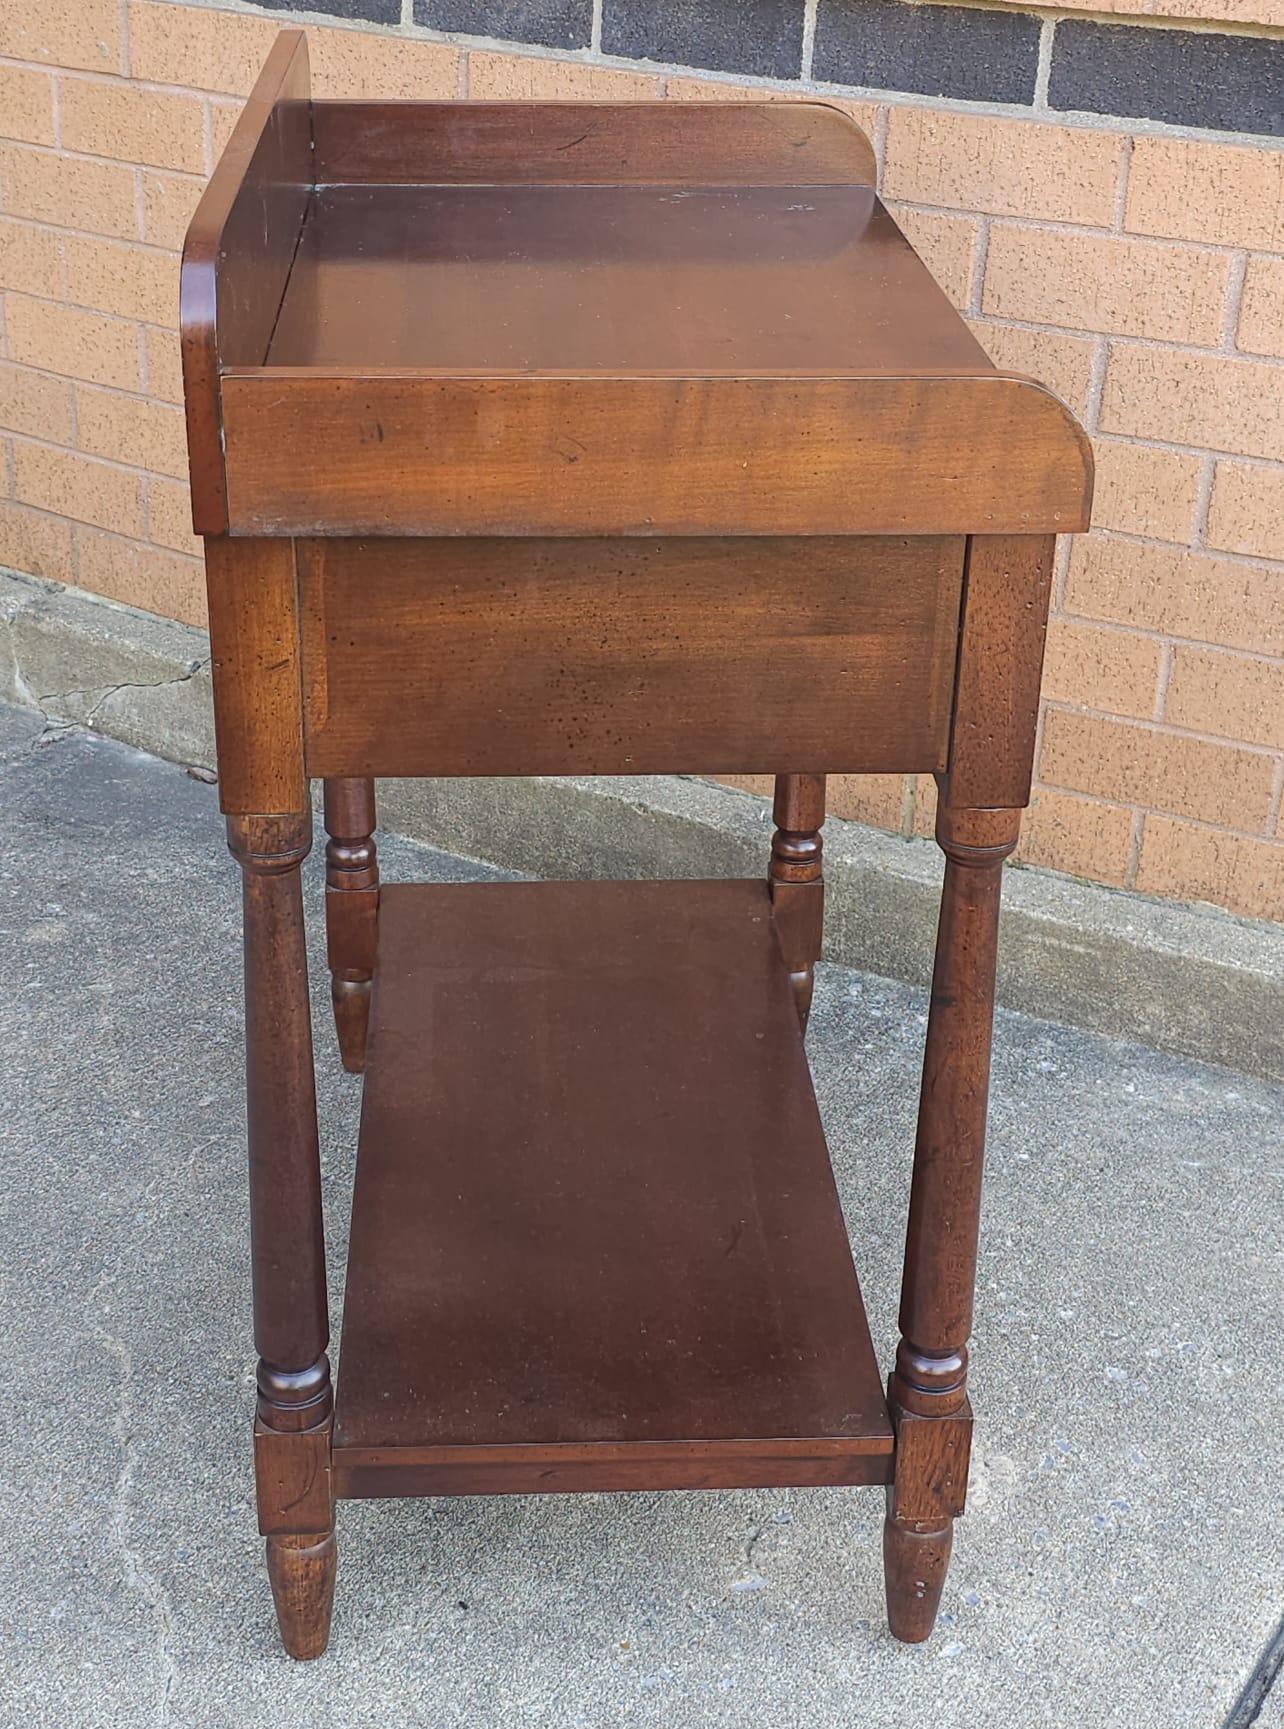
x=58, y=726
x=138, y=1576
x=751, y=1544
x=95, y=698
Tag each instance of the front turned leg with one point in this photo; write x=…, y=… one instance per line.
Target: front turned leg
x=351, y=911
x=928, y=1387
x=287, y=1246
x=797, y=881
x=296, y=1505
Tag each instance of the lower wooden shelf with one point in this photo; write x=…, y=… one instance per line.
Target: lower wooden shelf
x=596, y=1242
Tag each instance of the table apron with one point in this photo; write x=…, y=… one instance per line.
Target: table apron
x=634, y=656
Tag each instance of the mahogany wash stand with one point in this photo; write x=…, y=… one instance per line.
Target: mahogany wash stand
x=600, y=439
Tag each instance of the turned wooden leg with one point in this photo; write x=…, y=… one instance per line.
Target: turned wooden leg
x=928, y=1387
x=302, y=1573
x=351, y=910
x=287, y=1246
x=296, y=1505
x=797, y=883
x=915, y=1559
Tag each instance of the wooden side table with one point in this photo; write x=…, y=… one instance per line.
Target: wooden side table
x=599, y=438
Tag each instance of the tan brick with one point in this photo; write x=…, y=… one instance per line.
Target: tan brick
x=1090, y=282
x=1225, y=194
x=719, y=90
x=169, y=516
x=759, y=784
x=32, y=403
x=1142, y=491
x=865, y=114
x=198, y=47
x=168, y=203
x=946, y=244
x=68, y=191
x=1063, y=363
x=26, y=105
x=1124, y=762
x=37, y=544
x=1182, y=594
x=1261, y=313
x=1113, y=670
x=69, y=484
x=129, y=281
x=131, y=429
x=1214, y=11
x=1246, y=513
x=164, y=364
x=1200, y=399
x=77, y=344
x=519, y=77
x=876, y=799
x=363, y=67
x=1227, y=695
x=1084, y=837
x=30, y=259
x=85, y=34
x=142, y=576
x=1004, y=167
x=1239, y=872
x=129, y=124
x=923, y=817
x=223, y=119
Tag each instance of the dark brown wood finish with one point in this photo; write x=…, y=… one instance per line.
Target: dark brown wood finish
x=590, y=144
x=254, y=652
x=643, y=1051
x=644, y=456
x=916, y=1558
x=351, y=910
x=1007, y=587
x=287, y=1245
x=237, y=257
x=302, y=1573
x=797, y=879
x=560, y=282
x=624, y=658
x=928, y=1388
x=615, y=438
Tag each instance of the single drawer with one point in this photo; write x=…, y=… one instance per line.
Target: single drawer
x=633, y=656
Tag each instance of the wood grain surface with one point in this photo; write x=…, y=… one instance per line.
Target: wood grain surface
x=637, y=657
x=594, y=1208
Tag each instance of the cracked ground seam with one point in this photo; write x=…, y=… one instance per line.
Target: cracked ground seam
x=36, y=601
x=58, y=725
x=138, y=1577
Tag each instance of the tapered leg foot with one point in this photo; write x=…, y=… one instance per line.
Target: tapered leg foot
x=351, y=998
x=302, y=1571
x=915, y=1561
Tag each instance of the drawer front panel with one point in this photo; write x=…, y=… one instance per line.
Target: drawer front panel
x=508, y=657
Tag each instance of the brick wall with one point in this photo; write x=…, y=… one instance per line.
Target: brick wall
x=1136, y=266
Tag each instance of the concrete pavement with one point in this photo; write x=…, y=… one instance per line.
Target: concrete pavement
x=1122, y=1560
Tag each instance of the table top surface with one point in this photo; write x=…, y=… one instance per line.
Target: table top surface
x=620, y=281
x=565, y=319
